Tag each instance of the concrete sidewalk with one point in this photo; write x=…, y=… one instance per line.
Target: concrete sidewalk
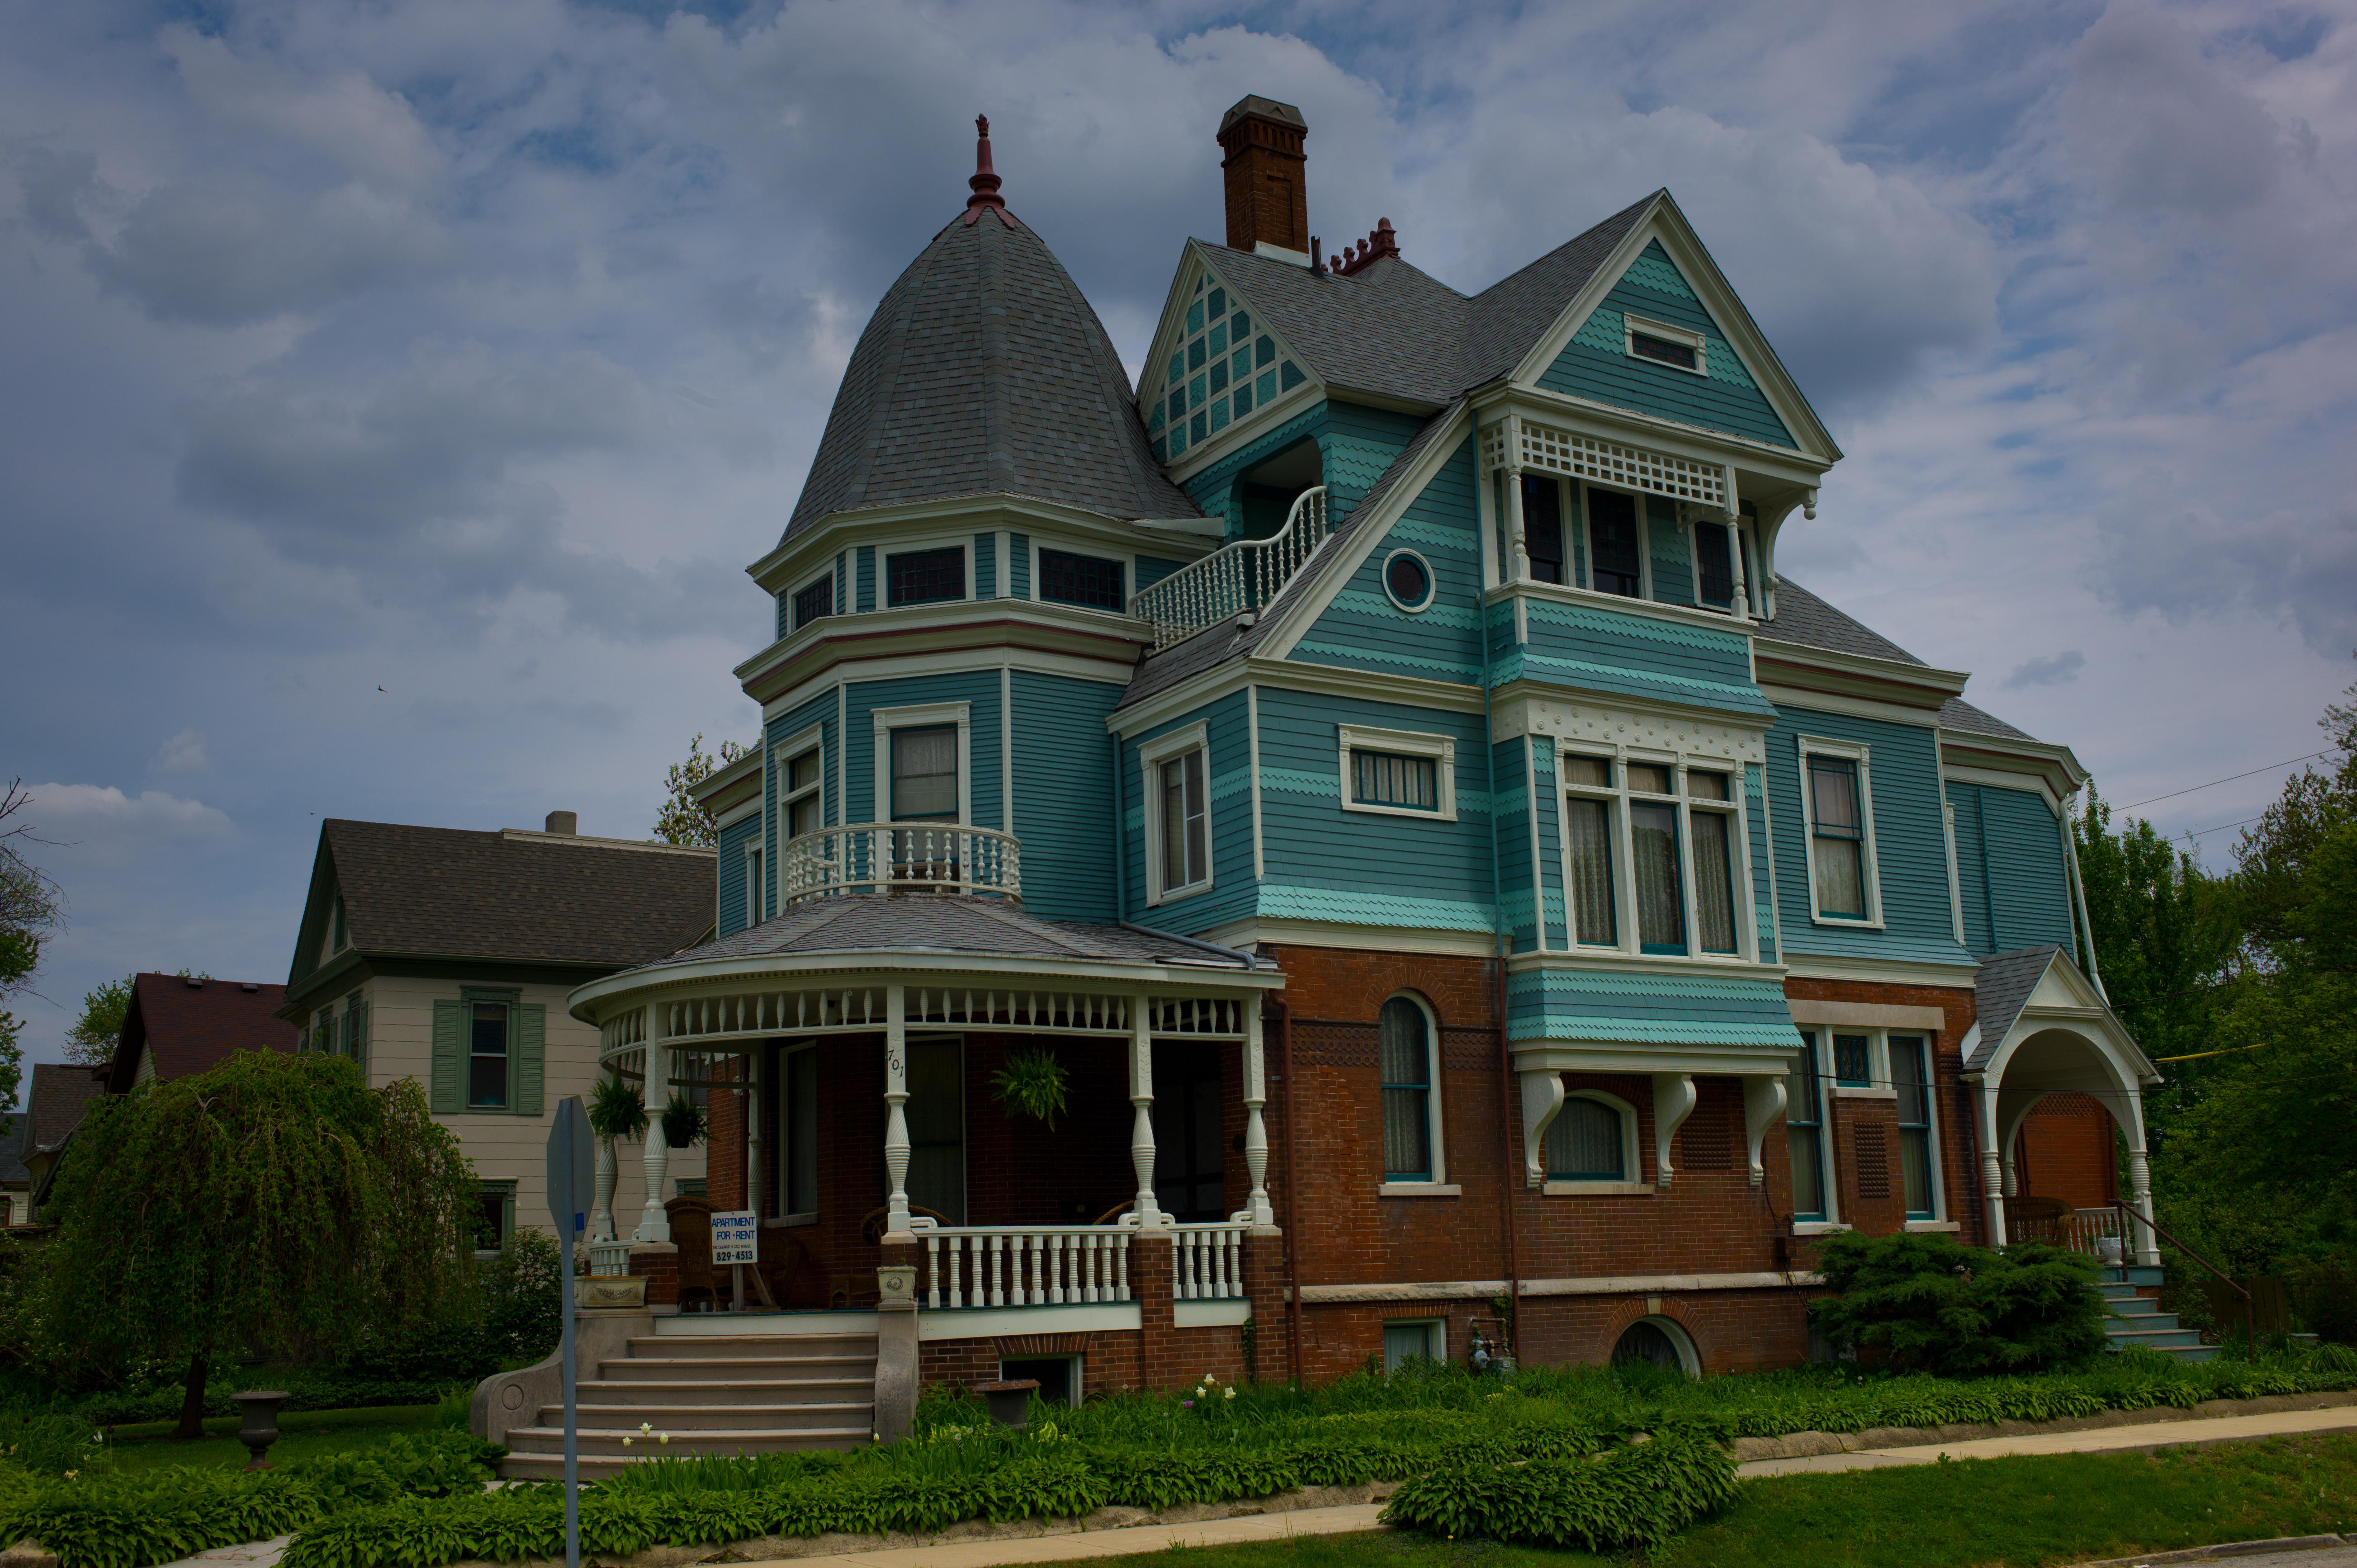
x=2201, y=1433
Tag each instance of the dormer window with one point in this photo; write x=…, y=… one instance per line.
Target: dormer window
x=1677, y=346
x=1227, y=368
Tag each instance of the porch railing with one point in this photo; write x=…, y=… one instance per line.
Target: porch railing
x=1024, y=1265
x=1244, y=575
x=2085, y=1231
x=927, y=857
x=1208, y=1263
x=609, y=1260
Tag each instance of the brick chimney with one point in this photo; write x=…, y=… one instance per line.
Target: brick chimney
x=1268, y=199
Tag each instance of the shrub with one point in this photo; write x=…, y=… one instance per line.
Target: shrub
x=2325, y=1294
x=53, y=1445
x=1928, y=1303
x=1636, y=1494
x=523, y=1303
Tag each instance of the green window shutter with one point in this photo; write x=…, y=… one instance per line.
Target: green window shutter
x=449, y=1094
x=359, y=1041
x=530, y=1054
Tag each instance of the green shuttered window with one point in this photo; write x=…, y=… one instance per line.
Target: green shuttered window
x=489, y=1055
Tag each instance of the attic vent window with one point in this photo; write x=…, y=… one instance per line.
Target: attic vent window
x=1664, y=345
x=1218, y=372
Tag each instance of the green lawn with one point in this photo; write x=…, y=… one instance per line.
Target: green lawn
x=303, y=1432
x=2015, y=1512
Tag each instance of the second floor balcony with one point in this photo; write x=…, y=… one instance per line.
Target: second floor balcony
x=901, y=857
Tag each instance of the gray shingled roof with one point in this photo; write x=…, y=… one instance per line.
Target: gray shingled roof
x=1394, y=329
x=1803, y=617
x=2003, y=987
x=927, y=923
x=452, y=893
x=62, y=1092
x=1234, y=638
x=1957, y=713
x=13, y=1144
x=984, y=371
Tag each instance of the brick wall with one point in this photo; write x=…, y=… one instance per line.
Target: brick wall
x=2068, y=1148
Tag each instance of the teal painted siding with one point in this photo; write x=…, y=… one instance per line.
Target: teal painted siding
x=820, y=710
x=1215, y=489
x=1019, y=565
x=1673, y=553
x=978, y=687
x=2010, y=870
x=1228, y=778
x=1596, y=364
x=1597, y=649
x=730, y=915
x=1546, y=810
x=985, y=565
x=1357, y=443
x=1611, y=1008
x=1911, y=849
x=1363, y=629
x=1150, y=570
x=1513, y=809
x=1763, y=889
x=1063, y=795
x=866, y=578
x=1327, y=864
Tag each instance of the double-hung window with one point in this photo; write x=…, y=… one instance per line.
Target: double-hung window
x=1663, y=841
x=1804, y=1126
x=1086, y=580
x=1614, y=544
x=1404, y=1046
x=1177, y=768
x=1543, y=528
x=815, y=602
x=1911, y=1077
x=798, y=790
x=925, y=577
x=1839, y=811
x=925, y=774
x=1398, y=773
x=756, y=884
x=487, y=1056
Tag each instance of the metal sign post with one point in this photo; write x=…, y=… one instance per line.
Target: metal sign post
x=570, y=1183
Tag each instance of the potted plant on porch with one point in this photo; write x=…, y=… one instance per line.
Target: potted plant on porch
x=616, y=1111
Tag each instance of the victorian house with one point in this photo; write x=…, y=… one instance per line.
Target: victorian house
x=1371, y=765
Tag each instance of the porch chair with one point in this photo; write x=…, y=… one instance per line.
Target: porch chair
x=691, y=1233
x=2029, y=1219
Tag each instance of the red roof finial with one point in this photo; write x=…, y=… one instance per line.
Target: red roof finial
x=985, y=182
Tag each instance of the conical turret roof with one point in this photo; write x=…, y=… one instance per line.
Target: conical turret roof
x=985, y=371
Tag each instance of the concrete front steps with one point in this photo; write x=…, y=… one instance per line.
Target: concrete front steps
x=713, y=1395
x=2139, y=1319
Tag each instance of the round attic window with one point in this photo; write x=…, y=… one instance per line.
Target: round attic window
x=1407, y=579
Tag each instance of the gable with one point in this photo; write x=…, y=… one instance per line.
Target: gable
x=1216, y=365
x=2063, y=986
x=1596, y=364
x=1364, y=626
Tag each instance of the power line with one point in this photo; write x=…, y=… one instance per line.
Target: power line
x=2173, y=794
x=2246, y=821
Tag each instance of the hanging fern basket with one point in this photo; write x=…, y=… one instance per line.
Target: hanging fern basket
x=1032, y=1083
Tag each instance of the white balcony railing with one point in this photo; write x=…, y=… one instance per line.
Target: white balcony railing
x=929, y=857
x=1244, y=575
x=1208, y=1263
x=1024, y=1265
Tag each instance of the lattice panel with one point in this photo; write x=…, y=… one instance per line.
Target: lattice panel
x=1873, y=1161
x=1629, y=467
x=1335, y=1045
x=1467, y=1050
x=1712, y=1134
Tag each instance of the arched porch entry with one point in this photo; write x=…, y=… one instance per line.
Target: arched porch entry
x=2043, y=1028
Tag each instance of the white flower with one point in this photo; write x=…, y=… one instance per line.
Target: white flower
x=646, y=1429
x=1229, y=1394
x=626, y=1442
x=664, y=1438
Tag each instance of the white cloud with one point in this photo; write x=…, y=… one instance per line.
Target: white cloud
x=184, y=753
x=2054, y=670
x=98, y=824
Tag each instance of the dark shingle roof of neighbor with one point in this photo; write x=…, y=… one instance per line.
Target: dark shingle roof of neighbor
x=61, y=1093
x=985, y=371
x=455, y=893
x=1232, y=638
x=13, y=1144
x=872, y=923
x=187, y=1025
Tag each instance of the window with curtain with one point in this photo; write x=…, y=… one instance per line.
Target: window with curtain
x=1403, y=1042
x=1910, y=1074
x=1589, y=824
x=1186, y=847
x=925, y=774
x=1613, y=549
x=1713, y=871
x=1386, y=778
x=1653, y=854
x=1584, y=1143
x=1804, y=1119
x=1837, y=838
x=1542, y=527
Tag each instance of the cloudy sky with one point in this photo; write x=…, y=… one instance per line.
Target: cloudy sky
x=392, y=395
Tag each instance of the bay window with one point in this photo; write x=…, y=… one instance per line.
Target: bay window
x=1662, y=839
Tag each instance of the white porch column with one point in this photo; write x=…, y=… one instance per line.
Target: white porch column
x=1673, y=1102
x=1263, y=1218
x=895, y=1121
x=1992, y=1163
x=2146, y=1245
x=1141, y=1097
x=601, y=1223
x=654, y=1092
x=1519, y=568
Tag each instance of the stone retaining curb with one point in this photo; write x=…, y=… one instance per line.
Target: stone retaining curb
x=2231, y=1549
x=1877, y=1439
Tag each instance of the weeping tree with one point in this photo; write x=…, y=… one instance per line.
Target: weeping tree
x=274, y=1196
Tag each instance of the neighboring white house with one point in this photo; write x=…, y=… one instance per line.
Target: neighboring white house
x=446, y=955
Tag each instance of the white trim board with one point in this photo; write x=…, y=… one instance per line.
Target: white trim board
x=1595, y=1284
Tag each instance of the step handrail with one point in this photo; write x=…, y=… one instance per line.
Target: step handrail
x=2250, y=1307
x=1244, y=574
